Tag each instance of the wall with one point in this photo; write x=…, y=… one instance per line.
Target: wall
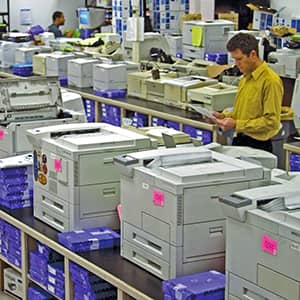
x=42, y=11
x=292, y=7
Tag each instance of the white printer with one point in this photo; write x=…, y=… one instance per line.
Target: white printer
x=26, y=104
x=214, y=97
x=109, y=76
x=7, y=53
x=263, y=242
x=177, y=226
x=24, y=55
x=200, y=37
x=176, y=89
x=286, y=62
x=39, y=64
x=72, y=101
x=57, y=63
x=80, y=72
x=76, y=184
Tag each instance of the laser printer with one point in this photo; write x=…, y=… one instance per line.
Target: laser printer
x=156, y=87
x=39, y=64
x=57, y=63
x=176, y=89
x=137, y=87
x=177, y=226
x=76, y=184
x=80, y=72
x=200, y=37
x=214, y=97
x=29, y=103
x=286, y=62
x=7, y=53
x=262, y=242
x=72, y=101
x=24, y=55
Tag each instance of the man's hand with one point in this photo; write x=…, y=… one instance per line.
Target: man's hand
x=226, y=123
x=215, y=114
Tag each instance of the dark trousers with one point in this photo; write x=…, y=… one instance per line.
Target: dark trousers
x=245, y=140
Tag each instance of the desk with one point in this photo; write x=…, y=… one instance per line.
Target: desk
x=129, y=279
x=151, y=109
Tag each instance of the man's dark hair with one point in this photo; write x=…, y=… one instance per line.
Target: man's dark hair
x=243, y=41
x=56, y=15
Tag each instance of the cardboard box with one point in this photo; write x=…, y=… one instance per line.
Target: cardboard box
x=230, y=16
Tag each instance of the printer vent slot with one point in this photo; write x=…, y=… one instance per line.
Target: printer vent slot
x=180, y=210
x=76, y=173
x=52, y=186
x=56, y=135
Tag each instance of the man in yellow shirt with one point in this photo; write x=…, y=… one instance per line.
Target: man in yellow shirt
x=256, y=112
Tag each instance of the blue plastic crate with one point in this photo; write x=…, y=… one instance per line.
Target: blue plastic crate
x=107, y=295
x=158, y=122
x=111, y=93
x=22, y=69
x=59, y=292
x=139, y=120
x=200, y=286
x=220, y=58
x=89, y=239
x=37, y=293
x=204, y=136
x=38, y=277
x=63, y=80
x=172, y=124
x=111, y=114
x=89, y=107
x=56, y=282
x=57, y=269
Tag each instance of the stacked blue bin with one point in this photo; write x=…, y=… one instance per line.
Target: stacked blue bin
x=10, y=237
x=166, y=123
x=111, y=114
x=89, y=239
x=23, y=70
x=56, y=279
x=157, y=122
x=38, y=263
x=89, y=286
x=220, y=58
x=294, y=162
x=89, y=107
x=16, y=187
x=36, y=293
x=208, y=285
x=172, y=124
x=204, y=136
x=139, y=120
x=63, y=80
x=111, y=94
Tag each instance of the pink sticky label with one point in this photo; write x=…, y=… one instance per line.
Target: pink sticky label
x=57, y=165
x=2, y=134
x=158, y=198
x=119, y=210
x=269, y=245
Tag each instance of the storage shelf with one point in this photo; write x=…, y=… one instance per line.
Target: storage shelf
x=4, y=259
x=43, y=287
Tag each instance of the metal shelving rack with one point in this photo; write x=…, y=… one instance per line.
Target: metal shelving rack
x=4, y=15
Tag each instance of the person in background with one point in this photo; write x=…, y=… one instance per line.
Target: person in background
x=255, y=116
x=58, y=19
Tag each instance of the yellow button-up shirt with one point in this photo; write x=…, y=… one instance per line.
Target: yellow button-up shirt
x=258, y=104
